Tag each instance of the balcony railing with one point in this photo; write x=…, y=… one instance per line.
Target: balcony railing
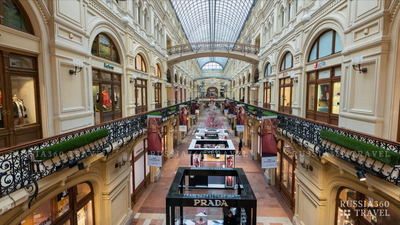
x=305, y=133
x=18, y=169
x=214, y=46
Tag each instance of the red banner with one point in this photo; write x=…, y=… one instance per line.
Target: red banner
x=269, y=141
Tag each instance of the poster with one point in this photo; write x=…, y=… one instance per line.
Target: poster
x=183, y=118
x=269, y=142
x=154, y=137
x=231, y=108
x=196, y=160
x=194, y=107
x=240, y=118
x=230, y=163
x=226, y=106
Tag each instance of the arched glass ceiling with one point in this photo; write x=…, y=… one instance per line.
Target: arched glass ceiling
x=212, y=21
x=212, y=66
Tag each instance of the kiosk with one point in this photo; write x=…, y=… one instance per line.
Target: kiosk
x=242, y=199
x=212, y=153
x=212, y=133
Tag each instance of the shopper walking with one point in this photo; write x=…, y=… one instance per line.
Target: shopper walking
x=240, y=147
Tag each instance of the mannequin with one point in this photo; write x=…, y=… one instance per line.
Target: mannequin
x=19, y=111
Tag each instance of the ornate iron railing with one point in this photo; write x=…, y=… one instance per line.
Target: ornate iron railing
x=305, y=132
x=214, y=46
x=18, y=169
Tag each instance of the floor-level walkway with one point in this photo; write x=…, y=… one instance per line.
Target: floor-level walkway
x=271, y=208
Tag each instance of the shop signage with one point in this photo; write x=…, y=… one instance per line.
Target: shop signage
x=211, y=136
x=319, y=64
x=210, y=202
x=107, y=66
x=254, y=88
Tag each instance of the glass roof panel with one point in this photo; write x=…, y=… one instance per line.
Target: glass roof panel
x=212, y=21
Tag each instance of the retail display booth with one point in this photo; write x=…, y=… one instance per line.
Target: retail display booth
x=212, y=133
x=212, y=153
x=184, y=206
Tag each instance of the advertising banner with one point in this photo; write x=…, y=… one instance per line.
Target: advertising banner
x=269, y=142
x=231, y=108
x=183, y=118
x=240, y=117
x=194, y=107
x=230, y=163
x=154, y=137
x=226, y=106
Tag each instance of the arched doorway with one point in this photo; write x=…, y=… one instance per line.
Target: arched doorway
x=212, y=91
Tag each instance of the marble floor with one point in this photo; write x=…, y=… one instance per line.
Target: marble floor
x=271, y=208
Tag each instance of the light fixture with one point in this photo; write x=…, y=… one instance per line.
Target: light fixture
x=357, y=61
x=121, y=160
x=305, y=162
x=274, y=42
x=306, y=17
x=77, y=64
x=125, y=20
x=152, y=44
x=361, y=175
x=166, y=56
x=133, y=78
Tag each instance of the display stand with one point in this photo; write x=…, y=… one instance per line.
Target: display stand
x=244, y=199
x=214, y=154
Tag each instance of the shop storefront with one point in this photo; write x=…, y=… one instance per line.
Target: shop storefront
x=286, y=84
x=285, y=179
x=140, y=174
x=356, y=208
x=72, y=206
x=141, y=95
x=164, y=144
x=323, y=81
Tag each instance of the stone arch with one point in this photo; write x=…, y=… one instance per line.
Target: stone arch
x=143, y=52
x=319, y=28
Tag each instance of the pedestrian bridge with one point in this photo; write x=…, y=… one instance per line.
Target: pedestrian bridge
x=245, y=52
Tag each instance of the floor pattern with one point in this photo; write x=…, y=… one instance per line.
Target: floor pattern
x=271, y=208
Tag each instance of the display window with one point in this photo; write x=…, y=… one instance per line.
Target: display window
x=13, y=15
x=103, y=47
x=141, y=95
x=157, y=88
x=71, y=206
x=285, y=95
x=106, y=96
x=285, y=180
x=323, y=95
x=140, y=176
x=19, y=100
x=267, y=95
x=356, y=208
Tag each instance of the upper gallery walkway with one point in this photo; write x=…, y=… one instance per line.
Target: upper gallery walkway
x=271, y=208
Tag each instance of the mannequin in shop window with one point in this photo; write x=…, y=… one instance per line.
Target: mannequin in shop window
x=106, y=100
x=19, y=111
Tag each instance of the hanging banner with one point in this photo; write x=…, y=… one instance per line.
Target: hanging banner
x=269, y=142
x=239, y=117
x=183, y=118
x=231, y=108
x=194, y=107
x=226, y=106
x=230, y=163
x=154, y=137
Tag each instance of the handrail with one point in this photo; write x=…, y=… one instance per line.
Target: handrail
x=303, y=132
x=18, y=169
x=213, y=46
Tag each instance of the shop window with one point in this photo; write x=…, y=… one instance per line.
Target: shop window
x=103, y=47
x=20, y=99
x=68, y=207
x=354, y=207
x=327, y=44
x=106, y=96
x=176, y=78
x=267, y=95
x=287, y=61
x=285, y=173
x=323, y=95
x=169, y=79
x=141, y=95
x=267, y=72
x=248, y=78
x=13, y=15
x=285, y=95
x=140, y=64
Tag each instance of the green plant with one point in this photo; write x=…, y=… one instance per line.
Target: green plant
x=266, y=113
x=66, y=146
x=172, y=108
x=252, y=108
x=380, y=154
x=154, y=114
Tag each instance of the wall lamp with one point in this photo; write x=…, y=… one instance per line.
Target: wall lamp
x=357, y=61
x=305, y=162
x=156, y=81
x=295, y=78
x=77, y=64
x=76, y=163
x=133, y=78
x=121, y=160
x=361, y=173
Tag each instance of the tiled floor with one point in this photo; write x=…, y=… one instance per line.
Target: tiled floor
x=271, y=208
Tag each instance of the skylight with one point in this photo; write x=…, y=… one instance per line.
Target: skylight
x=212, y=20
x=212, y=66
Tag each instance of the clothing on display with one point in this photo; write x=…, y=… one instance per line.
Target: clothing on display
x=19, y=111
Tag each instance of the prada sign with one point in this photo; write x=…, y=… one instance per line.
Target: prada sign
x=215, y=203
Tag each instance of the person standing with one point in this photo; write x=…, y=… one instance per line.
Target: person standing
x=229, y=219
x=240, y=147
